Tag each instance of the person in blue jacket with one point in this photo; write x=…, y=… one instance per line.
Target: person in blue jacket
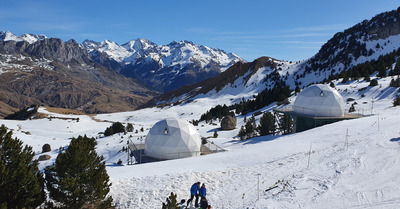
x=203, y=191
x=194, y=191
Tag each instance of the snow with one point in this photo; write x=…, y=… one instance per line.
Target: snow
x=360, y=175
x=30, y=38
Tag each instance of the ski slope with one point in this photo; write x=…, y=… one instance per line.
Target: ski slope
x=362, y=174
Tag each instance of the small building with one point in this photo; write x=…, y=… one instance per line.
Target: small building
x=172, y=138
x=315, y=106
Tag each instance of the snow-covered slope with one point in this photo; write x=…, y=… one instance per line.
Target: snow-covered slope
x=361, y=43
x=242, y=80
x=364, y=174
x=164, y=67
x=30, y=38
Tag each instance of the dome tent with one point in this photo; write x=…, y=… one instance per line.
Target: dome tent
x=172, y=138
x=319, y=101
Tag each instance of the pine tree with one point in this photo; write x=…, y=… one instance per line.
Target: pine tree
x=78, y=177
x=109, y=131
x=286, y=124
x=129, y=127
x=242, y=133
x=381, y=70
x=21, y=183
x=118, y=127
x=352, y=108
x=373, y=82
x=251, y=127
x=215, y=134
x=396, y=101
x=267, y=125
x=172, y=203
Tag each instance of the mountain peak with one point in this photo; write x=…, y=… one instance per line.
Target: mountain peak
x=138, y=45
x=30, y=38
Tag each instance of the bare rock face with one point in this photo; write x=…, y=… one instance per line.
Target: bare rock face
x=228, y=123
x=44, y=157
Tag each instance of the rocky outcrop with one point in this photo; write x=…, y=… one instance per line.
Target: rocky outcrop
x=44, y=157
x=228, y=123
x=56, y=49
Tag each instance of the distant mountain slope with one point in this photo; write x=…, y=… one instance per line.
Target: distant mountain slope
x=61, y=74
x=240, y=79
x=163, y=67
x=364, y=42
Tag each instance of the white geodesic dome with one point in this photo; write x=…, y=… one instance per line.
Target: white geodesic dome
x=319, y=101
x=172, y=138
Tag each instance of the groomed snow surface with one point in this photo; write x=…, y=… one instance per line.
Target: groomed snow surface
x=362, y=173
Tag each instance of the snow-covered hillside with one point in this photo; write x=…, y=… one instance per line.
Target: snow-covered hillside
x=364, y=174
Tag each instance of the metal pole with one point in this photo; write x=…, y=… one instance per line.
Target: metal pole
x=346, y=143
x=378, y=121
x=258, y=186
x=372, y=108
x=309, y=156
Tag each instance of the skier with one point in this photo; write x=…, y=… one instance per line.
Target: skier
x=203, y=191
x=194, y=191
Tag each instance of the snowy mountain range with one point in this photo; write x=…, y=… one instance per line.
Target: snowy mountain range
x=163, y=67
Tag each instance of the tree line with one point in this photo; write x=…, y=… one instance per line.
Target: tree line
x=279, y=93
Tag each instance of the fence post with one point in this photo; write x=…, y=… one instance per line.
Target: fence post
x=258, y=186
x=309, y=156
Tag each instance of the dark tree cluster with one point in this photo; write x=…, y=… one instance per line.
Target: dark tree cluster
x=23, y=114
x=218, y=111
x=395, y=82
x=364, y=70
x=267, y=126
x=277, y=94
x=249, y=129
x=116, y=127
x=396, y=101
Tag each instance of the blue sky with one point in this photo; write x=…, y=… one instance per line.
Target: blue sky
x=286, y=29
